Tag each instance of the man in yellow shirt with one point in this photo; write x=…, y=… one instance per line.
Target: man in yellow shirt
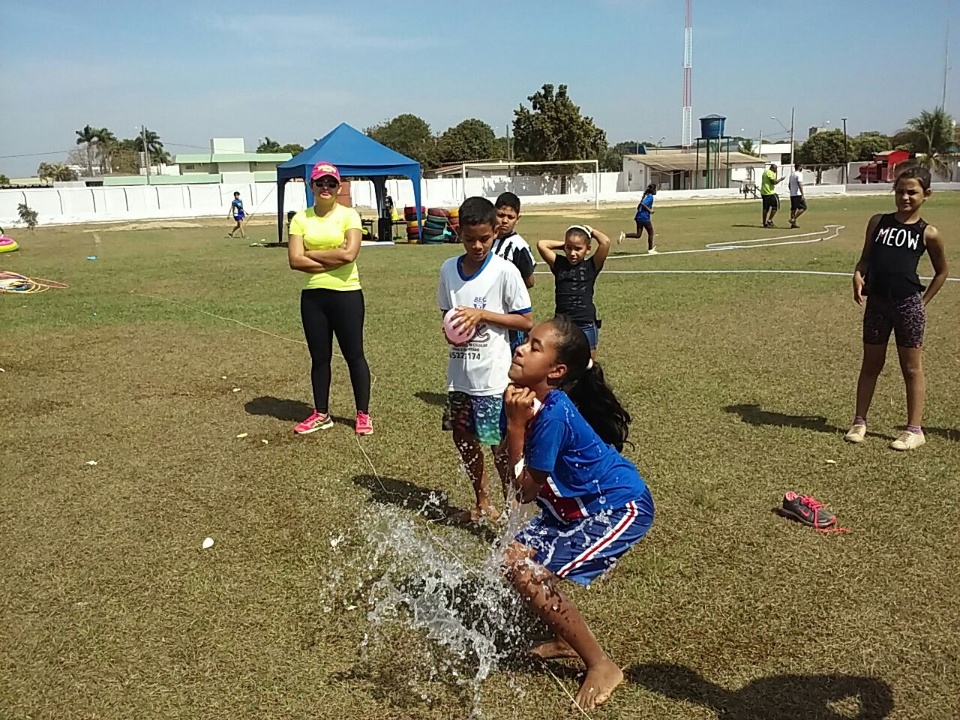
x=768, y=194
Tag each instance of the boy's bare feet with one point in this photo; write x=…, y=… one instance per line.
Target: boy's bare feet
x=551, y=649
x=598, y=685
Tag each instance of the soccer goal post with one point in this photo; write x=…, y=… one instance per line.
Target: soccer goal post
x=508, y=169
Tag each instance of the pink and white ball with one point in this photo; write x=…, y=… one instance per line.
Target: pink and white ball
x=454, y=332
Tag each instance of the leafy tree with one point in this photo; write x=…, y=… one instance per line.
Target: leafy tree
x=631, y=147
x=825, y=150
x=268, y=145
x=470, y=140
x=553, y=128
x=87, y=137
x=124, y=157
x=747, y=147
x=932, y=136
x=4, y=180
x=27, y=216
x=611, y=160
x=292, y=148
x=868, y=144
x=409, y=135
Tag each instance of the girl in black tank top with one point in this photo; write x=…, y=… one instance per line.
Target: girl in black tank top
x=896, y=301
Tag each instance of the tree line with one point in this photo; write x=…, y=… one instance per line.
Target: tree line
x=552, y=127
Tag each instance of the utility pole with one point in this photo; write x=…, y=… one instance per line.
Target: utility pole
x=846, y=157
x=146, y=155
x=793, y=117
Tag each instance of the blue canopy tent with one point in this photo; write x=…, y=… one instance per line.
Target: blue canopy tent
x=355, y=155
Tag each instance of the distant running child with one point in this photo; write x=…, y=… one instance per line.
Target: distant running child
x=643, y=221
x=576, y=276
x=491, y=298
x=887, y=275
x=237, y=213
x=594, y=504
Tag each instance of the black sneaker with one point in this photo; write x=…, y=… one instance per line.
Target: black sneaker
x=808, y=511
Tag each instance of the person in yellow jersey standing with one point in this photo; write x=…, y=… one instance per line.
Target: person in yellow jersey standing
x=768, y=194
x=324, y=244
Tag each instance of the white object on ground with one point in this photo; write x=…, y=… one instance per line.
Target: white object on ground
x=831, y=462
x=236, y=389
x=207, y=543
x=91, y=462
x=242, y=435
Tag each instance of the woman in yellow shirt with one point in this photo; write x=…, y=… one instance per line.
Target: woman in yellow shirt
x=324, y=243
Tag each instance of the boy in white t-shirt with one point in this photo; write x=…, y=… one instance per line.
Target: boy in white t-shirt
x=491, y=298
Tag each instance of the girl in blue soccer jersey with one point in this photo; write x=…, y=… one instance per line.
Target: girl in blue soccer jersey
x=565, y=431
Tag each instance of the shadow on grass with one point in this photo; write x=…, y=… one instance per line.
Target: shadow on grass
x=431, y=504
x=756, y=415
x=753, y=414
x=286, y=410
x=785, y=697
x=946, y=433
x=432, y=398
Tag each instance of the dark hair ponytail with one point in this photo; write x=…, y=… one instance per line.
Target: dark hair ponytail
x=586, y=386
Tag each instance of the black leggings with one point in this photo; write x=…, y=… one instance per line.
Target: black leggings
x=325, y=313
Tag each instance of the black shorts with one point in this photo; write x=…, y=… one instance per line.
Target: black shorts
x=771, y=202
x=798, y=202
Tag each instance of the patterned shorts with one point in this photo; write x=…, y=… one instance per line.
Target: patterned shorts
x=478, y=415
x=585, y=549
x=906, y=317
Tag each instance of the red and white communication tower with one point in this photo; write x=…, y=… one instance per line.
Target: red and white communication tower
x=686, y=131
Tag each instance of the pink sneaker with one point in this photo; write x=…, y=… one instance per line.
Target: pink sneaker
x=315, y=422
x=364, y=424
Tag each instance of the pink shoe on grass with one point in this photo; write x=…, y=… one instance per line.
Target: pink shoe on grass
x=317, y=421
x=364, y=424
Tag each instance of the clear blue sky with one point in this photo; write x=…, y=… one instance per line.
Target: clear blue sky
x=196, y=70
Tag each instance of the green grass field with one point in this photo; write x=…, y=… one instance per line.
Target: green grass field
x=740, y=386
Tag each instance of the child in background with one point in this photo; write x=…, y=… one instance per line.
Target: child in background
x=565, y=431
x=887, y=275
x=491, y=299
x=643, y=221
x=511, y=246
x=576, y=275
x=236, y=211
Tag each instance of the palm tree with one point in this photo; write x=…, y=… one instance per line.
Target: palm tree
x=154, y=146
x=747, y=147
x=87, y=137
x=931, y=135
x=106, y=146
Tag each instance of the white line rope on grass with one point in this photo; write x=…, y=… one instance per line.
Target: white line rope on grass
x=829, y=232
x=744, y=272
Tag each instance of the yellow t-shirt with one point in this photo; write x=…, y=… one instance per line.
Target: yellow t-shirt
x=327, y=233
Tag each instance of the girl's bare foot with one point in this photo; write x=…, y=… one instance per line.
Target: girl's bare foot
x=476, y=515
x=598, y=685
x=551, y=649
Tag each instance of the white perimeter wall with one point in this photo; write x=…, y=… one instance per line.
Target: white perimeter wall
x=105, y=204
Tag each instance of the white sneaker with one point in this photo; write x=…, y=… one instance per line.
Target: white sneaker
x=908, y=441
x=856, y=434
x=623, y=236
x=653, y=251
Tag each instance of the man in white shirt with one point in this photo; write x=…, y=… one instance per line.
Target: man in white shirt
x=798, y=203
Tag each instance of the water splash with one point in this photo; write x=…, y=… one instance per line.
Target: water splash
x=440, y=584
